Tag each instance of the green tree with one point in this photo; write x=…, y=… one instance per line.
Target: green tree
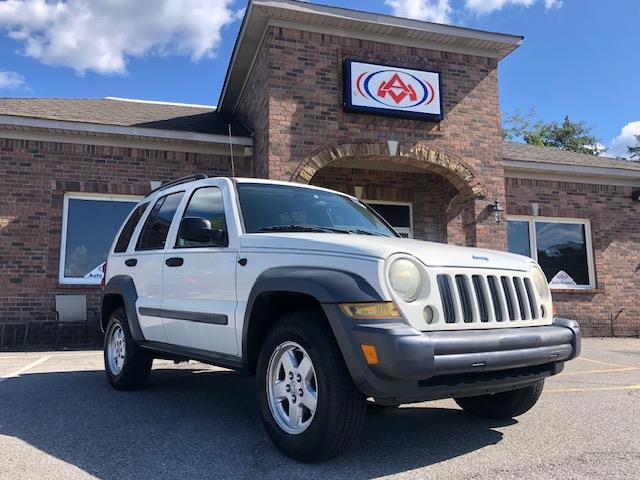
x=634, y=150
x=568, y=135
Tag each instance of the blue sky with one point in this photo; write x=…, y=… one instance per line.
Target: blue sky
x=579, y=57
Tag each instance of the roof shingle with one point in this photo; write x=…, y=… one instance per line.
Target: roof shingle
x=533, y=153
x=109, y=111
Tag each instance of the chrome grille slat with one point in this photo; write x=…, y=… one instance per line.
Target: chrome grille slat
x=469, y=298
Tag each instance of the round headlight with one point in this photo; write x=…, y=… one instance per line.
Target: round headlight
x=405, y=279
x=540, y=283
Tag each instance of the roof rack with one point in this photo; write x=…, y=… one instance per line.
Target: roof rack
x=178, y=181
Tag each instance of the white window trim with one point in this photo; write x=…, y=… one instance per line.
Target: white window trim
x=408, y=231
x=63, y=236
x=533, y=247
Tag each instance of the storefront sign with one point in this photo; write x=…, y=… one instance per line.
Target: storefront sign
x=395, y=91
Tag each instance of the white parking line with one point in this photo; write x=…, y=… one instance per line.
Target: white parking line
x=25, y=368
x=56, y=355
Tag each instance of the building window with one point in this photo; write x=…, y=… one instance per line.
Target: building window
x=397, y=214
x=89, y=225
x=562, y=247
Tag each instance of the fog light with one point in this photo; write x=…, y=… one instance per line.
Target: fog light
x=427, y=314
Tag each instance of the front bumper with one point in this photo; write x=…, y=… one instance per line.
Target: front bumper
x=416, y=366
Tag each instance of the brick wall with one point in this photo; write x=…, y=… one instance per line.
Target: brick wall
x=253, y=112
x=612, y=308
x=429, y=194
x=304, y=81
x=34, y=177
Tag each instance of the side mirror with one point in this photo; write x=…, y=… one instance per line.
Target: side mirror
x=196, y=229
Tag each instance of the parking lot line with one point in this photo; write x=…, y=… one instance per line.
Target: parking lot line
x=593, y=389
x=607, y=370
x=55, y=354
x=25, y=368
x=604, y=363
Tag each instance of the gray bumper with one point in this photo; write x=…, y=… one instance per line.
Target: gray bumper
x=416, y=365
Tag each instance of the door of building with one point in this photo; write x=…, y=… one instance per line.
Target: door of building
x=397, y=214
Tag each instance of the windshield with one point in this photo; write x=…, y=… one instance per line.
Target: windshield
x=284, y=208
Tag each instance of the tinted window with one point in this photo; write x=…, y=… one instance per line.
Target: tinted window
x=518, y=237
x=156, y=227
x=206, y=203
x=266, y=206
x=91, y=224
x=127, y=230
x=395, y=215
x=562, y=253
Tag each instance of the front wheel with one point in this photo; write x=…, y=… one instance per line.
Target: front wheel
x=309, y=404
x=505, y=405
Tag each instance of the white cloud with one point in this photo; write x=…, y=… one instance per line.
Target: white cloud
x=11, y=80
x=550, y=4
x=626, y=138
x=429, y=10
x=488, y=6
x=102, y=35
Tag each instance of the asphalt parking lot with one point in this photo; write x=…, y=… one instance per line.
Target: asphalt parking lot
x=60, y=419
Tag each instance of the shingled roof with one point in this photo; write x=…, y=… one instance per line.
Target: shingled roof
x=126, y=113
x=523, y=152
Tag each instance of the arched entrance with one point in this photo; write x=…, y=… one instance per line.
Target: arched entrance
x=424, y=192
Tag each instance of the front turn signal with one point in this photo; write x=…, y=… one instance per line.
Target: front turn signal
x=370, y=354
x=370, y=310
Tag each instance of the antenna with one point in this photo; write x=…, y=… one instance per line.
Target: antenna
x=233, y=167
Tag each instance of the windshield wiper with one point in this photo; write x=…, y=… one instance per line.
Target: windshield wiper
x=361, y=231
x=318, y=228
x=298, y=228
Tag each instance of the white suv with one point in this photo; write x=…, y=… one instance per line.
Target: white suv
x=318, y=296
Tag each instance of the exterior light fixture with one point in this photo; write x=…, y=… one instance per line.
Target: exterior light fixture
x=498, y=209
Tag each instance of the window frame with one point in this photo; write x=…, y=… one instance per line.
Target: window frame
x=400, y=230
x=62, y=280
x=533, y=244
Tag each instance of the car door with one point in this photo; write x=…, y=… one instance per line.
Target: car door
x=199, y=275
x=146, y=261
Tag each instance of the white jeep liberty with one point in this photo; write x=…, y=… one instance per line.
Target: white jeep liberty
x=314, y=293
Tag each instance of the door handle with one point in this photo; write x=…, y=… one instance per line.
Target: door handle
x=174, y=262
x=131, y=262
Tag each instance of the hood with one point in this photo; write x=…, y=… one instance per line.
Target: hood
x=432, y=254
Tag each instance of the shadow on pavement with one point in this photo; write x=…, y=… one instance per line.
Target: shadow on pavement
x=204, y=424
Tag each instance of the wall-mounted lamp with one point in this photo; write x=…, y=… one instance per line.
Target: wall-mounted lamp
x=498, y=209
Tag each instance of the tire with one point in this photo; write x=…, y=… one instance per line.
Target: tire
x=505, y=405
x=133, y=365
x=340, y=408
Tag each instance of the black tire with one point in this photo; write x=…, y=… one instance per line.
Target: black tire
x=137, y=362
x=341, y=407
x=505, y=405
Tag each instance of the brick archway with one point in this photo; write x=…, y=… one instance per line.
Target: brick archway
x=420, y=155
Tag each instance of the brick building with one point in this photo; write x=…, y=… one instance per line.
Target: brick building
x=428, y=156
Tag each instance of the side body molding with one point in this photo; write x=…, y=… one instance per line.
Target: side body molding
x=122, y=286
x=327, y=286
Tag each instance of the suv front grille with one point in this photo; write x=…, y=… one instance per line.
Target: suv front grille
x=487, y=298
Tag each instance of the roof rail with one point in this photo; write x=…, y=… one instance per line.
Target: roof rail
x=178, y=181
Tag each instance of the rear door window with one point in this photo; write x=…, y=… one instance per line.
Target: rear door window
x=156, y=227
x=127, y=230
